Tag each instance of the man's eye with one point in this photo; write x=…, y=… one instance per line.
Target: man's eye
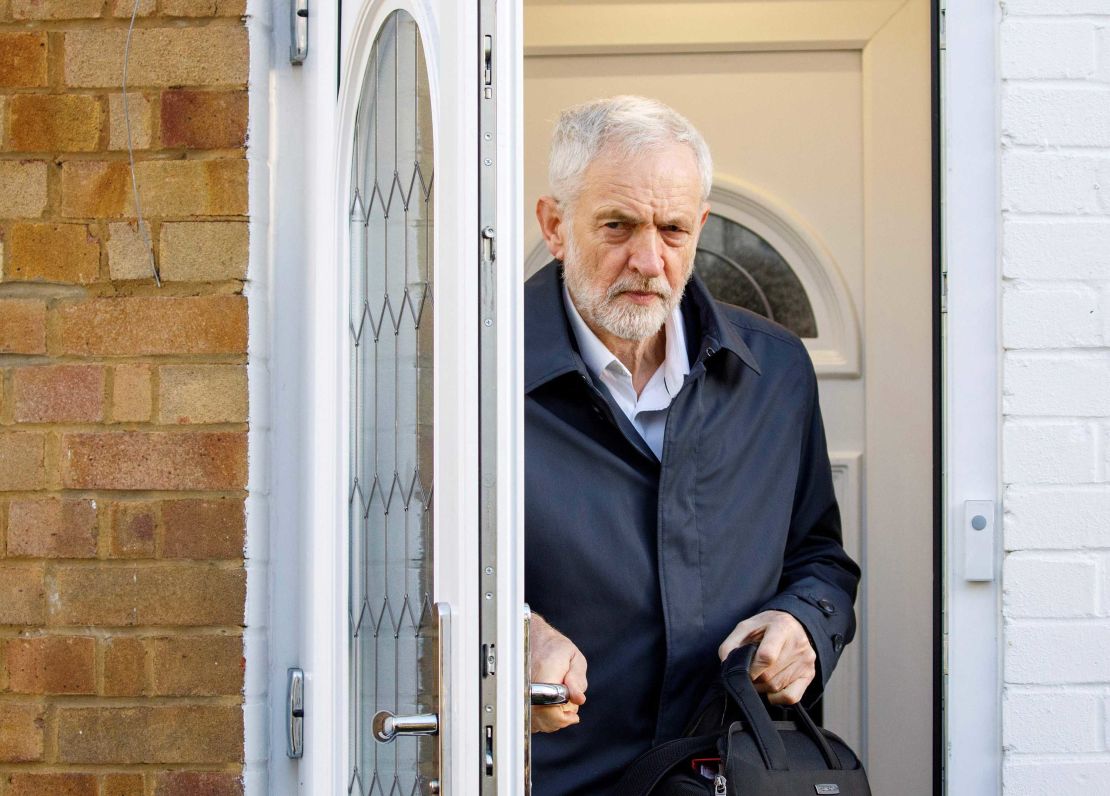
x=672, y=228
x=614, y=224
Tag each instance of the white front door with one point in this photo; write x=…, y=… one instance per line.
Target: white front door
x=413, y=632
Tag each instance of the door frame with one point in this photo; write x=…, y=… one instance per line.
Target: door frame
x=899, y=486
x=971, y=647
x=299, y=107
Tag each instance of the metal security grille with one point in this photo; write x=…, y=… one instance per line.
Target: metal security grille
x=390, y=521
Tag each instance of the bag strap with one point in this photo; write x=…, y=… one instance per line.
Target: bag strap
x=735, y=673
x=814, y=732
x=650, y=767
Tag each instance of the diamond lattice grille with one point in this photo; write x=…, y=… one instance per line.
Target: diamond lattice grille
x=390, y=495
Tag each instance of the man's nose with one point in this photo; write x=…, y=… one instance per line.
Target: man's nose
x=646, y=256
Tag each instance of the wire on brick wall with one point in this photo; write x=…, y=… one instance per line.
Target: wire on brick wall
x=143, y=228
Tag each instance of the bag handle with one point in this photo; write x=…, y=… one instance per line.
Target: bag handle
x=814, y=732
x=736, y=674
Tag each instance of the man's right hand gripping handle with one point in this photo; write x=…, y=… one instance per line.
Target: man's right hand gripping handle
x=555, y=659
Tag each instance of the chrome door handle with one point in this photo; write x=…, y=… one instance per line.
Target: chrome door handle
x=538, y=694
x=527, y=701
x=386, y=726
x=547, y=694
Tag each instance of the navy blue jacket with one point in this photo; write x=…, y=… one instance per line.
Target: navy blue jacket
x=647, y=565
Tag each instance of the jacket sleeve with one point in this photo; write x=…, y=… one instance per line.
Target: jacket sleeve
x=819, y=580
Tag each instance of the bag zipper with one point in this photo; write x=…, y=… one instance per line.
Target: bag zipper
x=720, y=785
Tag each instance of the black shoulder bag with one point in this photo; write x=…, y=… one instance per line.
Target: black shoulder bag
x=733, y=748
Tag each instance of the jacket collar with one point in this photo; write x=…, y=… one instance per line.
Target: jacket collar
x=550, y=350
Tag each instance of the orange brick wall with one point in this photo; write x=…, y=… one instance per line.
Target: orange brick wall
x=123, y=406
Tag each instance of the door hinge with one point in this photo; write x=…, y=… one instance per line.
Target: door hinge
x=298, y=31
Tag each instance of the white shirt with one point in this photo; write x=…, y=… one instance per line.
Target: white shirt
x=648, y=410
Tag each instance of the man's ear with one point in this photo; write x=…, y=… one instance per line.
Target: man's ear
x=551, y=225
x=704, y=215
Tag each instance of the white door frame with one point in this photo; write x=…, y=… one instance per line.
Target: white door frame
x=297, y=243
x=971, y=224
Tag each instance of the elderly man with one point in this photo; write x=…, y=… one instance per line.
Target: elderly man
x=678, y=495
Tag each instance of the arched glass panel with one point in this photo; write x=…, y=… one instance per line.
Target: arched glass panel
x=390, y=520
x=740, y=267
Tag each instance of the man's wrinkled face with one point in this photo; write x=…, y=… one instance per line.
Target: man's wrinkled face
x=631, y=236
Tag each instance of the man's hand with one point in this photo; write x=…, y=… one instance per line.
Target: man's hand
x=555, y=659
x=785, y=663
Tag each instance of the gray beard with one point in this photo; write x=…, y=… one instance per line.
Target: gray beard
x=603, y=307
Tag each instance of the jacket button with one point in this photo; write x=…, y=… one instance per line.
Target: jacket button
x=826, y=606
x=838, y=642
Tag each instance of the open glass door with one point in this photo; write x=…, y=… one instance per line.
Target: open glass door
x=413, y=639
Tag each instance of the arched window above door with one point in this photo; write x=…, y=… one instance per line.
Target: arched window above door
x=756, y=253
x=740, y=267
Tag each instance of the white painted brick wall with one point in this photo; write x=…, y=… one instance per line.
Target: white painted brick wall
x=1036, y=585
x=1055, y=140
x=1054, y=518
x=1057, y=115
x=1054, y=249
x=1052, y=316
x=1051, y=721
x=1040, y=48
x=1049, y=452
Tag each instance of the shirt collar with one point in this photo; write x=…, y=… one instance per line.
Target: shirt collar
x=598, y=357
x=549, y=341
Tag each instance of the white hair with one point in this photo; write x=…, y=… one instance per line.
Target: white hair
x=631, y=124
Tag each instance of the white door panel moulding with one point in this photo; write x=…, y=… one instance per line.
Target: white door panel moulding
x=653, y=27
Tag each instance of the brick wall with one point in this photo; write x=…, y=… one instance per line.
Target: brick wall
x=1056, y=395
x=123, y=406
